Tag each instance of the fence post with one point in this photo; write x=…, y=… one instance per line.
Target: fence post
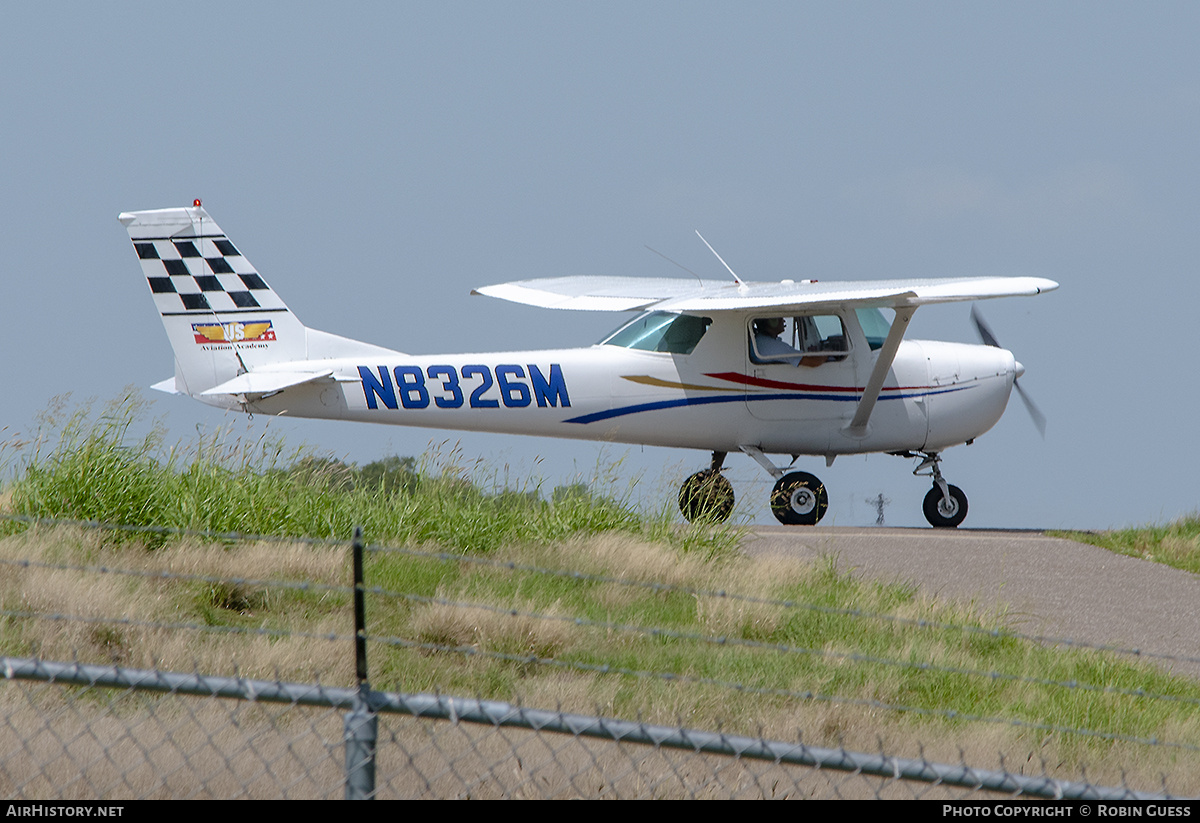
x=361, y=732
x=361, y=727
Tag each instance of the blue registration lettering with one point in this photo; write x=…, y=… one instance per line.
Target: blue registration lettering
x=450, y=384
x=516, y=395
x=410, y=390
x=549, y=391
x=410, y=385
x=381, y=388
x=477, y=399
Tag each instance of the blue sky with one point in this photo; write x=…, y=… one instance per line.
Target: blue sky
x=378, y=160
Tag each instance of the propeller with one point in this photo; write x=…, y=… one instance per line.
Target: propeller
x=986, y=335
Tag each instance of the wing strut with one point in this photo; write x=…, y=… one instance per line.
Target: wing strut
x=866, y=404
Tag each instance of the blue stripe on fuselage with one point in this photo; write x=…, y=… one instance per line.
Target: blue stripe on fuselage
x=738, y=398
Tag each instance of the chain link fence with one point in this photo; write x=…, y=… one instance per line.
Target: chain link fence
x=74, y=732
x=86, y=731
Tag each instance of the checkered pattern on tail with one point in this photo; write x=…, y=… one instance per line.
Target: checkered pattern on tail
x=201, y=272
x=219, y=314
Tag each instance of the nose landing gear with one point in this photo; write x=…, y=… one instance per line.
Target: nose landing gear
x=945, y=506
x=945, y=512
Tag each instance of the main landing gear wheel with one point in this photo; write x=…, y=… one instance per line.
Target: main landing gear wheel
x=942, y=513
x=799, y=499
x=706, y=497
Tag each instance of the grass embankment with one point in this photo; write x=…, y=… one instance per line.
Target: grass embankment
x=454, y=626
x=94, y=468
x=1175, y=544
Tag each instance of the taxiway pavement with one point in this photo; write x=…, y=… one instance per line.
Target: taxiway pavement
x=1038, y=584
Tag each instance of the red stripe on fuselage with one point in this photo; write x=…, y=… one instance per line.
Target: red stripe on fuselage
x=763, y=383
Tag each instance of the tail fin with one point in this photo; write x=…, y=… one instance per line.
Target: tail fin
x=221, y=317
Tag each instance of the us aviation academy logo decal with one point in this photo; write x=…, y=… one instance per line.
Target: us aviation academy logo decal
x=258, y=331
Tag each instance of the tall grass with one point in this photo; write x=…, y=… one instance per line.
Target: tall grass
x=96, y=466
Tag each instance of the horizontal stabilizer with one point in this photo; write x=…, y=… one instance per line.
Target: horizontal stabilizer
x=266, y=382
x=167, y=386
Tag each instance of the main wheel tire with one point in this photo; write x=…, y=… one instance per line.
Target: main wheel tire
x=942, y=514
x=706, y=497
x=799, y=499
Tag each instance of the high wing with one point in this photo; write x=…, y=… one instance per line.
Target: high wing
x=600, y=293
x=707, y=296
x=677, y=294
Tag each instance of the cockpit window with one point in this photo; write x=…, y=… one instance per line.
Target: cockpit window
x=805, y=340
x=875, y=325
x=660, y=331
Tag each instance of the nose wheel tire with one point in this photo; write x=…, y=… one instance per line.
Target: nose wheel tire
x=942, y=513
x=706, y=497
x=799, y=499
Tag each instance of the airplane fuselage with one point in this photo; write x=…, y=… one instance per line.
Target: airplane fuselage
x=714, y=398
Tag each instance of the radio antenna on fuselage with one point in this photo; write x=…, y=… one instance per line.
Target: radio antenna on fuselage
x=736, y=279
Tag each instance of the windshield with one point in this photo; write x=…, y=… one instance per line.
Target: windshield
x=660, y=331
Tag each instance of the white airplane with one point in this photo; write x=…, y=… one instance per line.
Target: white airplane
x=796, y=367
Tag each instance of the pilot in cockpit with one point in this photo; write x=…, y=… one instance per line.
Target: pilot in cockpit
x=768, y=346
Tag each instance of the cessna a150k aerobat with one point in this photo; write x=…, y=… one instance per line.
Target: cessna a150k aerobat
x=795, y=367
